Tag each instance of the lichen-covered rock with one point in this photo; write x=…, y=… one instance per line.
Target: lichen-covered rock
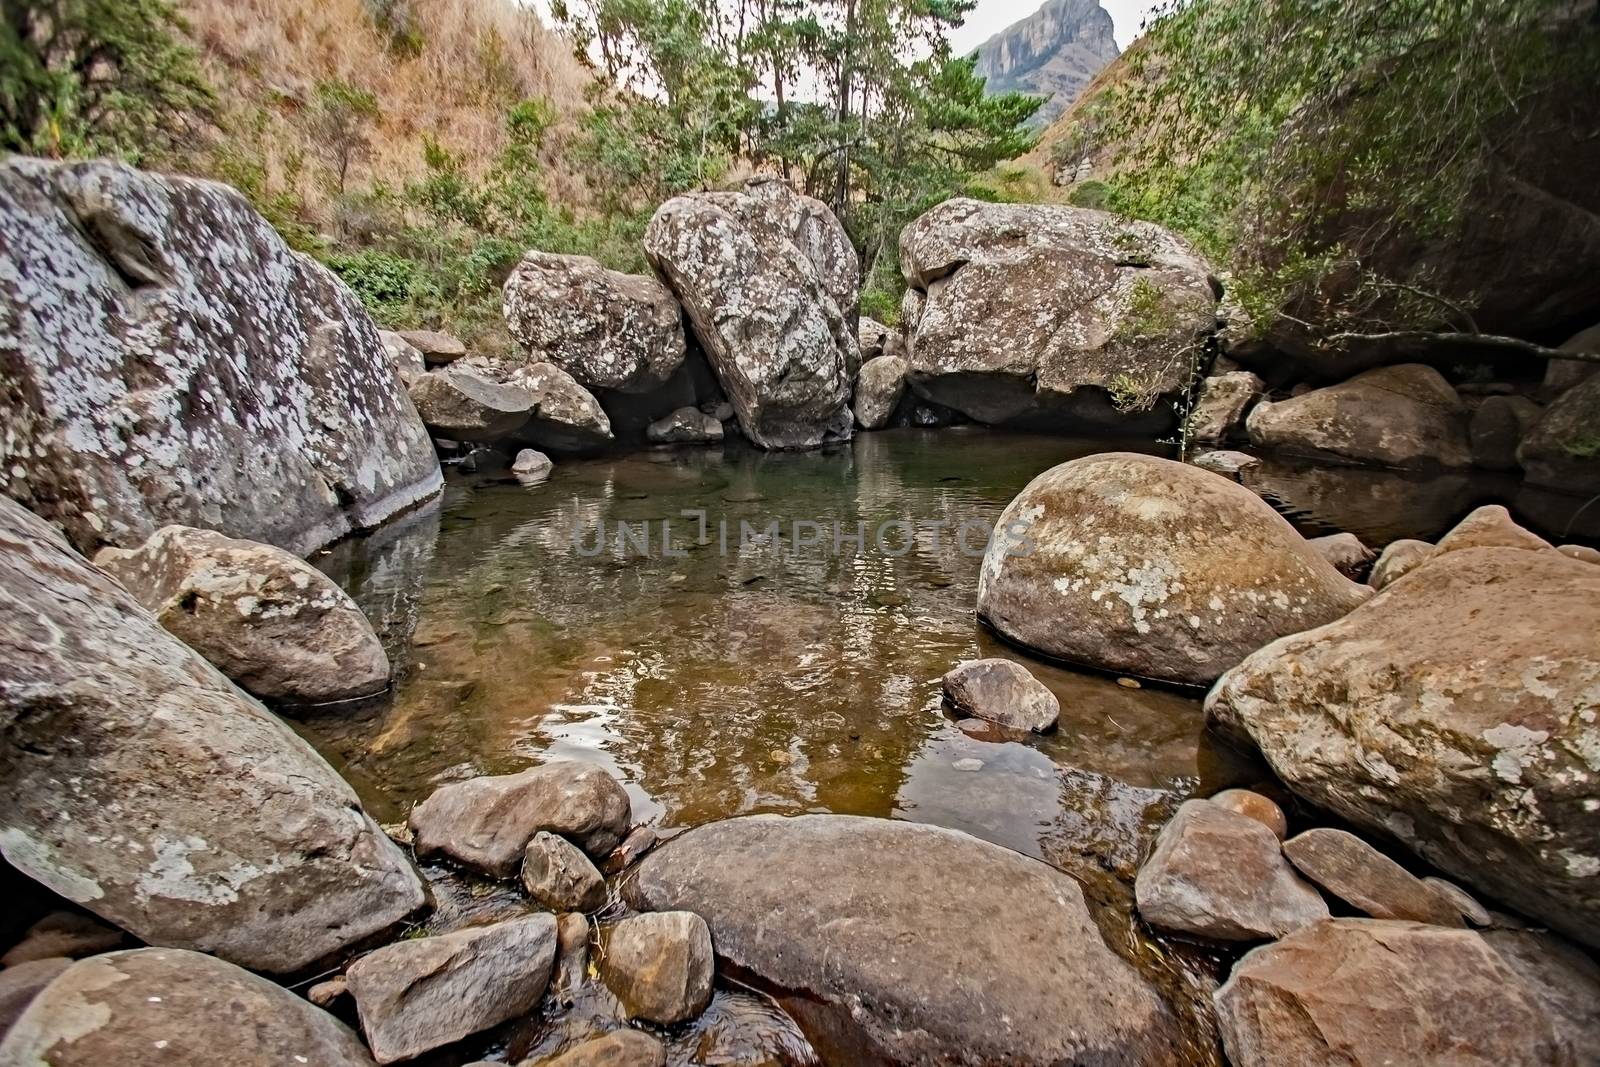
x=1562, y=450
x=1405, y=417
x=404, y=356
x=1220, y=408
x=280, y=628
x=486, y=823
x=880, y=386
x=769, y=281
x=175, y=1008
x=1366, y=879
x=1457, y=713
x=168, y=359
x=1002, y=691
x=461, y=404
x=958, y=952
x=876, y=340
x=563, y=416
x=607, y=329
x=685, y=426
x=1219, y=874
x=1370, y=993
x=1398, y=559
x=135, y=780
x=660, y=966
x=1153, y=568
x=1035, y=314
x=429, y=992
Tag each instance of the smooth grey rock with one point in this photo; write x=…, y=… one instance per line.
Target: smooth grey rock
x=1225, y=462
x=531, y=463
x=1345, y=552
x=1219, y=874
x=432, y=991
x=1152, y=568
x=177, y=1009
x=170, y=360
x=880, y=387
x=486, y=823
x=769, y=280
x=277, y=626
x=1455, y=713
x=1220, y=408
x=660, y=965
x=436, y=346
x=1004, y=692
x=136, y=781
x=464, y=405
x=1361, y=876
x=685, y=426
x=607, y=329
x=807, y=904
x=572, y=952
x=557, y=875
x=1406, y=417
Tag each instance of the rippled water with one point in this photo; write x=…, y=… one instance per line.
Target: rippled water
x=716, y=683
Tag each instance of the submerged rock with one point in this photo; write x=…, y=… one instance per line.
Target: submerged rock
x=280, y=628
x=176, y=1008
x=807, y=907
x=1369, y=993
x=1403, y=417
x=486, y=823
x=620, y=1048
x=1003, y=692
x=135, y=780
x=171, y=360
x=432, y=991
x=1220, y=408
x=607, y=329
x=685, y=426
x=1455, y=712
x=769, y=280
x=1035, y=314
x=660, y=966
x=1152, y=568
x=1361, y=876
x=880, y=387
x=1219, y=874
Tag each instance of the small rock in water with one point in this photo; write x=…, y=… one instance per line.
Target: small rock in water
x=639, y=841
x=557, y=874
x=1345, y=551
x=968, y=764
x=1467, y=904
x=1255, y=806
x=423, y=994
x=1215, y=873
x=1398, y=559
x=1129, y=683
x=1225, y=462
x=1003, y=692
x=572, y=952
x=531, y=464
x=659, y=965
x=621, y=1048
x=1363, y=877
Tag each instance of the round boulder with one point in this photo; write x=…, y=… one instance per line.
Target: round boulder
x=660, y=966
x=1152, y=568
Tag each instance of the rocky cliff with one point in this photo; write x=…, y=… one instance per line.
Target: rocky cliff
x=1054, y=52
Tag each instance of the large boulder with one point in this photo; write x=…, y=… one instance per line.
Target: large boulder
x=1563, y=978
x=1497, y=429
x=563, y=416
x=1037, y=315
x=487, y=823
x=280, y=628
x=1220, y=874
x=176, y=1008
x=607, y=329
x=1456, y=712
x=1220, y=408
x=426, y=992
x=1406, y=417
x=168, y=359
x=1153, y=568
x=922, y=944
x=880, y=387
x=1369, y=993
x=461, y=404
x=1562, y=450
x=769, y=280
x=138, y=782
x=660, y=966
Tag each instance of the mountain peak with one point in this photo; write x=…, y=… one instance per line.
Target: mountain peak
x=1054, y=52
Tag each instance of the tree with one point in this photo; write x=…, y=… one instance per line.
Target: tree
x=340, y=121
x=87, y=77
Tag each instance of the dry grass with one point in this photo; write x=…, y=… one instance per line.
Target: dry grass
x=476, y=57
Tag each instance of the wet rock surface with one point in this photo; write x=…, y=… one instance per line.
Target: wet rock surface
x=432, y=991
x=135, y=780
x=769, y=280
x=168, y=1006
x=1152, y=568
x=1262, y=809
x=621, y=1048
x=1218, y=874
x=804, y=906
x=1002, y=691
x=200, y=372
x=486, y=823
x=557, y=875
x=1030, y=314
x=280, y=628
x=1398, y=718
x=660, y=965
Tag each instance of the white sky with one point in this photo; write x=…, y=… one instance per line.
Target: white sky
x=992, y=16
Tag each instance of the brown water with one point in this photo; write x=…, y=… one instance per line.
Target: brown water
x=719, y=682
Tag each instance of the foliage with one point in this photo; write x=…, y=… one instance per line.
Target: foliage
x=340, y=120
x=96, y=77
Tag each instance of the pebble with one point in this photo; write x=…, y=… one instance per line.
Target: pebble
x=968, y=764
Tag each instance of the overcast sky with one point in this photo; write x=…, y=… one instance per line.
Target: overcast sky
x=992, y=16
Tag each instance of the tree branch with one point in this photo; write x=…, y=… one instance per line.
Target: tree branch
x=1478, y=340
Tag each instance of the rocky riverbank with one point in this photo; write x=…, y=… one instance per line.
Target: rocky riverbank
x=210, y=407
